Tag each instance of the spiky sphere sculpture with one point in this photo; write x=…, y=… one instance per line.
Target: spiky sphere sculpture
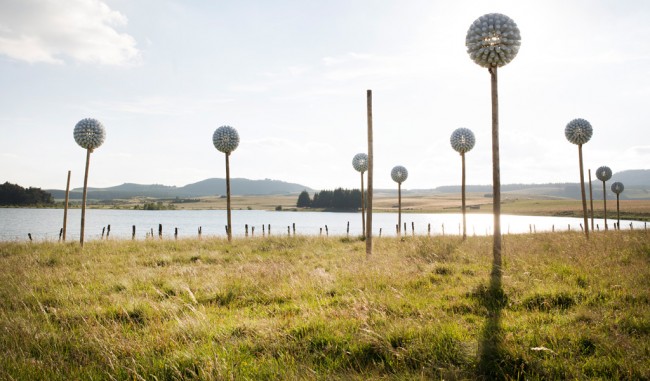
x=89, y=133
x=604, y=173
x=225, y=139
x=493, y=40
x=578, y=131
x=462, y=140
x=360, y=162
x=618, y=187
x=399, y=174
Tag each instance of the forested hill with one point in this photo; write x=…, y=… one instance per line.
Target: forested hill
x=208, y=187
x=15, y=195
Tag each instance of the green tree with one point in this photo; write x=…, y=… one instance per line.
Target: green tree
x=304, y=201
x=13, y=194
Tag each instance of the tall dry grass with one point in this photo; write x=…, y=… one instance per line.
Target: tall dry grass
x=316, y=308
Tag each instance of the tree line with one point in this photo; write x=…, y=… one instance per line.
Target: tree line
x=339, y=198
x=15, y=195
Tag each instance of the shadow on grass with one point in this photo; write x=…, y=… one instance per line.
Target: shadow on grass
x=495, y=362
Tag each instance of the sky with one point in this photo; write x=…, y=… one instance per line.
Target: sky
x=291, y=76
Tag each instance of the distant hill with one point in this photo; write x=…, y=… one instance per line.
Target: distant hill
x=636, y=181
x=208, y=187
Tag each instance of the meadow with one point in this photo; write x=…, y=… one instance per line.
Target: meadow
x=318, y=308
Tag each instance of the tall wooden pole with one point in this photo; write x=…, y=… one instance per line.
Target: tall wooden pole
x=399, y=209
x=228, y=196
x=605, y=204
x=462, y=155
x=582, y=190
x=65, y=207
x=618, y=213
x=496, y=172
x=591, y=200
x=83, y=201
x=370, y=170
x=363, y=209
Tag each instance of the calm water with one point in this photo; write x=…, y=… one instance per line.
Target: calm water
x=44, y=224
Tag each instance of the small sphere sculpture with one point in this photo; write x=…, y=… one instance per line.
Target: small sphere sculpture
x=618, y=187
x=604, y=173
x=462, y=140
x=89, y=133
x=578, y=131
x=360, y=162
x=225, y=139
x=399, y=174
x=493, y=40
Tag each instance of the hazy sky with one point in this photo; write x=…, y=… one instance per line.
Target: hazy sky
x=291, y=77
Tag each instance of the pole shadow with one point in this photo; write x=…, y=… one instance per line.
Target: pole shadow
x=495, y=362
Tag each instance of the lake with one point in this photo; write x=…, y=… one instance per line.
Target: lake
x=44, y=224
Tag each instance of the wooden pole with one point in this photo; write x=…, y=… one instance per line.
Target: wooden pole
x=582, y=191
x=591, y=200
x=618, y=213
x=65, y=207
x=83, y=200
x=605, y=204
x=363, y=209
x=228, y=196
x=496, y=173
x=399, y=209
x=462, y=155
x=370, y=171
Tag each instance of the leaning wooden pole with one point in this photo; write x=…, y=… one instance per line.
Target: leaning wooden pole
x=582, y=191
x=83, y=198
x=65, y=206
x=363, y=209
x=591, y=200
x=496, y=172
x=370, y=171
x=228, y=196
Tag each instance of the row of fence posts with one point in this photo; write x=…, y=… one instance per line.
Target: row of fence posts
x=266, y=230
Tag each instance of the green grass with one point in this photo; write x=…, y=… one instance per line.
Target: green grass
x=312, y=308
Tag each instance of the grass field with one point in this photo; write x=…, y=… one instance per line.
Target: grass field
x=312, y=308
x=431, y=203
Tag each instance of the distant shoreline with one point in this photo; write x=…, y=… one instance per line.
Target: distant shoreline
x=638, y=210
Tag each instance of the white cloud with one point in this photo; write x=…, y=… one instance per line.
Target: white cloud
x=52, y=31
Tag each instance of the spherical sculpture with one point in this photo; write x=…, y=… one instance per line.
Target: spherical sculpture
x=462, y=140
x=399, y=174
x=89, y=133
x=360, y=162
x=618, y=187
x=578, y=131
x=225, y=139
x=604, y=173
x=493, y=40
